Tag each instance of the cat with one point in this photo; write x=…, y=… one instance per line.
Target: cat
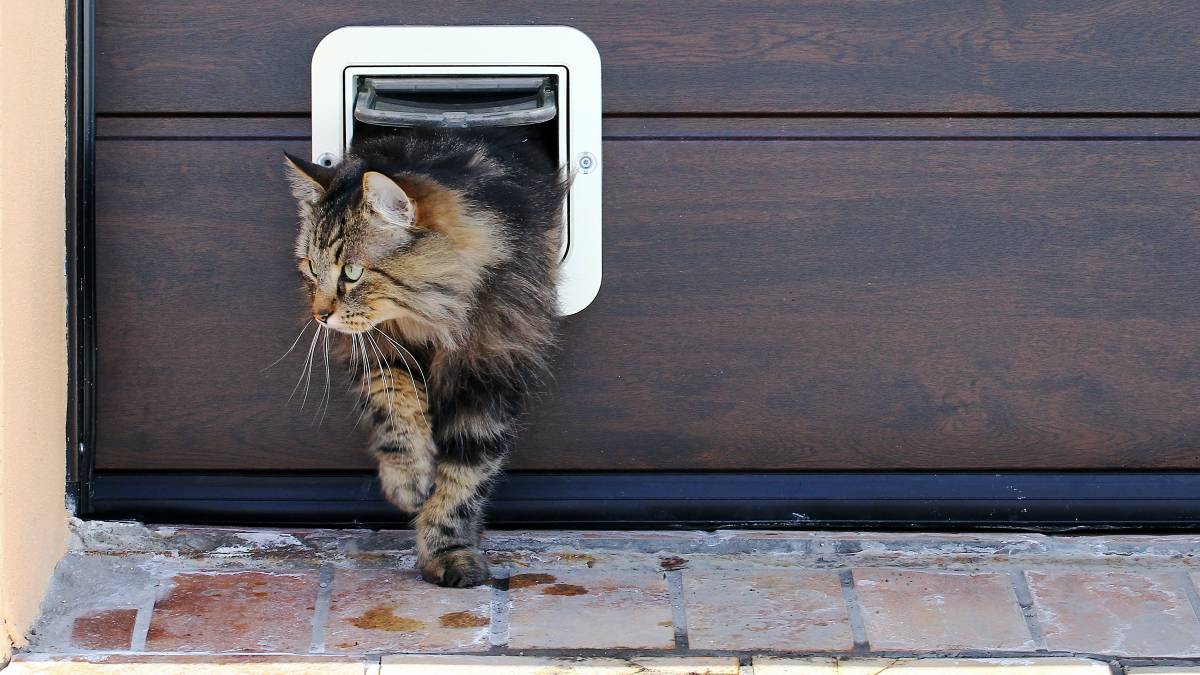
x=435, y=251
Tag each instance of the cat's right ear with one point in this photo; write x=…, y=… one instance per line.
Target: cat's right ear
x=309, y=180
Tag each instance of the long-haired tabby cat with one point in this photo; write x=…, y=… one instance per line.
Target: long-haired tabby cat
x=435, y=253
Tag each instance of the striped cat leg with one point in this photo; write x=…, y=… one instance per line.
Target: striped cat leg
x=450, y=522
x=401, y=439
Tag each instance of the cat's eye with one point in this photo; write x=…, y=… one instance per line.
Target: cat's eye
x=312, y=267
x=352, y=272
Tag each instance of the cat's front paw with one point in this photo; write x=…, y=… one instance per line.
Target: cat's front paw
x=403, y=486
x=460, y=568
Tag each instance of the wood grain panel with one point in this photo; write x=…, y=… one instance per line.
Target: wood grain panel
x=773, y=304
x=208, y=127
x=697, y=56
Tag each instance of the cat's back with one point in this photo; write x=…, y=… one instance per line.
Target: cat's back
x=503, y=170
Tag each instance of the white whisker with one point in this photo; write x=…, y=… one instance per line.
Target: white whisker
x=389, y=382
x=410, y=376
x=353, y=370
x=307, y=365
x=354, y=373
x=367, y=380
x=323, y=404
x=402, y=348
x=384, y=373
x=294, y=343
x=312, y=350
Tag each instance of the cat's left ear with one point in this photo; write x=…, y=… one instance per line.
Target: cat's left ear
x=309, y=181
x=388, y=200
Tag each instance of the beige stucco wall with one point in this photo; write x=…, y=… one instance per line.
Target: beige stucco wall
x=33, y=350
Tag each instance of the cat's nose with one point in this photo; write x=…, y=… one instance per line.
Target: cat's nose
x=323, y=315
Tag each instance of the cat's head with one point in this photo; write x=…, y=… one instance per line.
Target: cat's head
x=401, y=248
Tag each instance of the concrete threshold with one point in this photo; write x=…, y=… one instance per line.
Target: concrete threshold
x=131, y=598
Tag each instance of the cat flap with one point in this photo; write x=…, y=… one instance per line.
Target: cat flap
x=460, y=102
x=516, y=84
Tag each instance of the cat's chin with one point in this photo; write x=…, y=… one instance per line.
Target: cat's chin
x=348, y=330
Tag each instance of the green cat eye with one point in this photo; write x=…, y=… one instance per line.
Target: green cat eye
x=352, y=272
x=312, y=267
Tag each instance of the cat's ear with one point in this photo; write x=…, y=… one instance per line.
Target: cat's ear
x=388, y=200
x=308, y=180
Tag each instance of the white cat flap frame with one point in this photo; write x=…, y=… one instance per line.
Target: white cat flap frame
x=569, y=55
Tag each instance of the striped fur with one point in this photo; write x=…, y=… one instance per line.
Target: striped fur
x=456, y=236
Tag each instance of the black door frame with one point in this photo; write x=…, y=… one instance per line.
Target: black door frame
x=1043, y=501
x=81, y=259
x=948, y=500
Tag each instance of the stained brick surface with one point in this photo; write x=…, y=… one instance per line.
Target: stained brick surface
x=218, y=664
x=91, y=603
x=926, y=611
x=1123, y=613
x=590, y=609
x=776, y=609
x=247, y=611
x=395, y=611
x=107, y=630
x=224, y=596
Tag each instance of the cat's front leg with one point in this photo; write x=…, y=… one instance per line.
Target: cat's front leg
x=405, y=477
x=401, y=439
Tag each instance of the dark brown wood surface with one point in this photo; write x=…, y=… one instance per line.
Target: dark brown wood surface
x=697, y=56
x=913, y=128
x=911, y=234
x=879, y=299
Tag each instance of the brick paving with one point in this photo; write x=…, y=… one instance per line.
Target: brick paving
x=234, y=611
x=913, y=610
x=763, y=609
x=1143, y=612
x=590, y=609
x=383, y=610
x=319, y=601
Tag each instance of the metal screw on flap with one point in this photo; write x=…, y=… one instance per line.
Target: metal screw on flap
x=587, y=162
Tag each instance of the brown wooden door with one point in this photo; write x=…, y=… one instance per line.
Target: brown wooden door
x=838, y=236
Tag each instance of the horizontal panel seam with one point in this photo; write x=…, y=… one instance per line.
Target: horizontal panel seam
x=732, y=115
x=721, y=139
x=900, y=138
x=193, y=137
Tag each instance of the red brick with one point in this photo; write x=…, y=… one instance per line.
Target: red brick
x=394, y=610
x=208, y=664
x=1122, y=613
x=249, y=611
x=929, y=611
x=108, y=630
x=590, y=609
x=768, y=609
